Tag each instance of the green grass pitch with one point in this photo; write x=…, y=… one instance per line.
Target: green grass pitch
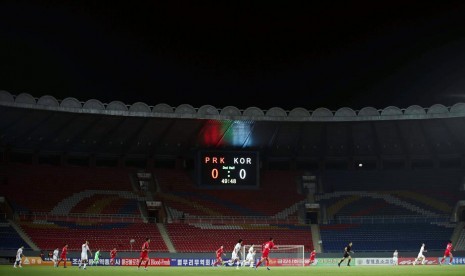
x=226, y=271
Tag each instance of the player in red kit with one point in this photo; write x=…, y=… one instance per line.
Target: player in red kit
x=112, y=256
x=64, y=251
x=447, y=253
x=312, y=257
x=144, y=254
x=266, y=247
x=219, y=253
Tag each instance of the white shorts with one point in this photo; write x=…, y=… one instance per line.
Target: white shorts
x=234, y=256
x=55, y=258
x=249, y=257
x=18, y=258
x=394, y=259
x=420, y=256
x=84, y=256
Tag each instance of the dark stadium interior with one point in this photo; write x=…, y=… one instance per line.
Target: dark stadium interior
x=323, y=177
x=149, y=120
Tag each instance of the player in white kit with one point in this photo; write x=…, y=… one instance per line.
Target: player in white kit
x=395, y=258
x=55, y=256
x=19, y=255
x=235, y=254
x=250, y=259
x=421, y=258
x=84, y=258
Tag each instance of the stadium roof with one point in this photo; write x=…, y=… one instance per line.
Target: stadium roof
x=69, y=126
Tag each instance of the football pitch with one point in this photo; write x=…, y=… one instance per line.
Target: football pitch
x=206, y=271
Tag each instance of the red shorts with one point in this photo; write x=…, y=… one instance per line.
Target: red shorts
x=447, y=253
x=265, y=254
x=63, y=257
x=144, y=255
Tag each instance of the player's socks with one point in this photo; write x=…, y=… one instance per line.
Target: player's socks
x=258, y=264
x=85, y=265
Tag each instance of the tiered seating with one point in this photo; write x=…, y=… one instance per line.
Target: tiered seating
x=386, y=203
x=39, y=188
x=358, y=206
x=208, y=237
x=438, y=201
x=9, y=238
x=460, y=246
x=180, y=193
x=425, y=195
x=106, y=204
x=49, y=235
x=381, y=196
x=384, y=237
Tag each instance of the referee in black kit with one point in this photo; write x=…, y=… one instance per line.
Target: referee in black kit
x=347, y=251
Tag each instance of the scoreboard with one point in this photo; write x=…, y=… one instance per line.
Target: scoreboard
x=227, y=168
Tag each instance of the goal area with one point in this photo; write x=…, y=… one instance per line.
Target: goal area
x=281, y=255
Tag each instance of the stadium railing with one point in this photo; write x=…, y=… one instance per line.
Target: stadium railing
x=82, y=217
x=238, y=219
x=388, y=219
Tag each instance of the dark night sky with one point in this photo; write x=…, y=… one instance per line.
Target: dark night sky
x=312, y=54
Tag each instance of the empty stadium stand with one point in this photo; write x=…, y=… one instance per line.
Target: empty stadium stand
x=51, y=234
x=385, y=237
x=272, y=197
x=64, y=190
x=9, y=238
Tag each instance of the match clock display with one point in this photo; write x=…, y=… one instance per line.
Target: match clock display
x=228, y=168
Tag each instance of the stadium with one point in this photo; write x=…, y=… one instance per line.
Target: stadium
x=322, y=137
x=193, y=179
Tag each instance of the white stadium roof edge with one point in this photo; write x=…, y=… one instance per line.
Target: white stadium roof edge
x=162, y=110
